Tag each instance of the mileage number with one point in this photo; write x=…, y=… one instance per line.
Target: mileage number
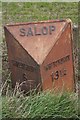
x=55, y=75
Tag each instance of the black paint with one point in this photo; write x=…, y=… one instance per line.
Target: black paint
x=58, y=74
x=35, y=31
x=44, y=30
x=57, y=62
x=23, y=66
x=51, y=28
x=30, y=32
x=22, y=32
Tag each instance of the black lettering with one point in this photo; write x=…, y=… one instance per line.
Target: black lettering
x=51, y=28
x=25, y=77
x=55, y=63
x=56, y=75
x=52, y=76
x=58, y=62
x=44, y=30
x=22, y=32
x=29, y=33
x=23, y=66
x=29, y=68
x=61, y=61
x=36, y=32
x=63, y=72
x=59, y=73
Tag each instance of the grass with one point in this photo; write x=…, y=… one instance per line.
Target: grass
x=27, y=11
x=45, y=104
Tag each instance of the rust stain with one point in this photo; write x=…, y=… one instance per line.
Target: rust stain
x=41, y=52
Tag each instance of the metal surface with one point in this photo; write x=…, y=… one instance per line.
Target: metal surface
x=41, y=52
